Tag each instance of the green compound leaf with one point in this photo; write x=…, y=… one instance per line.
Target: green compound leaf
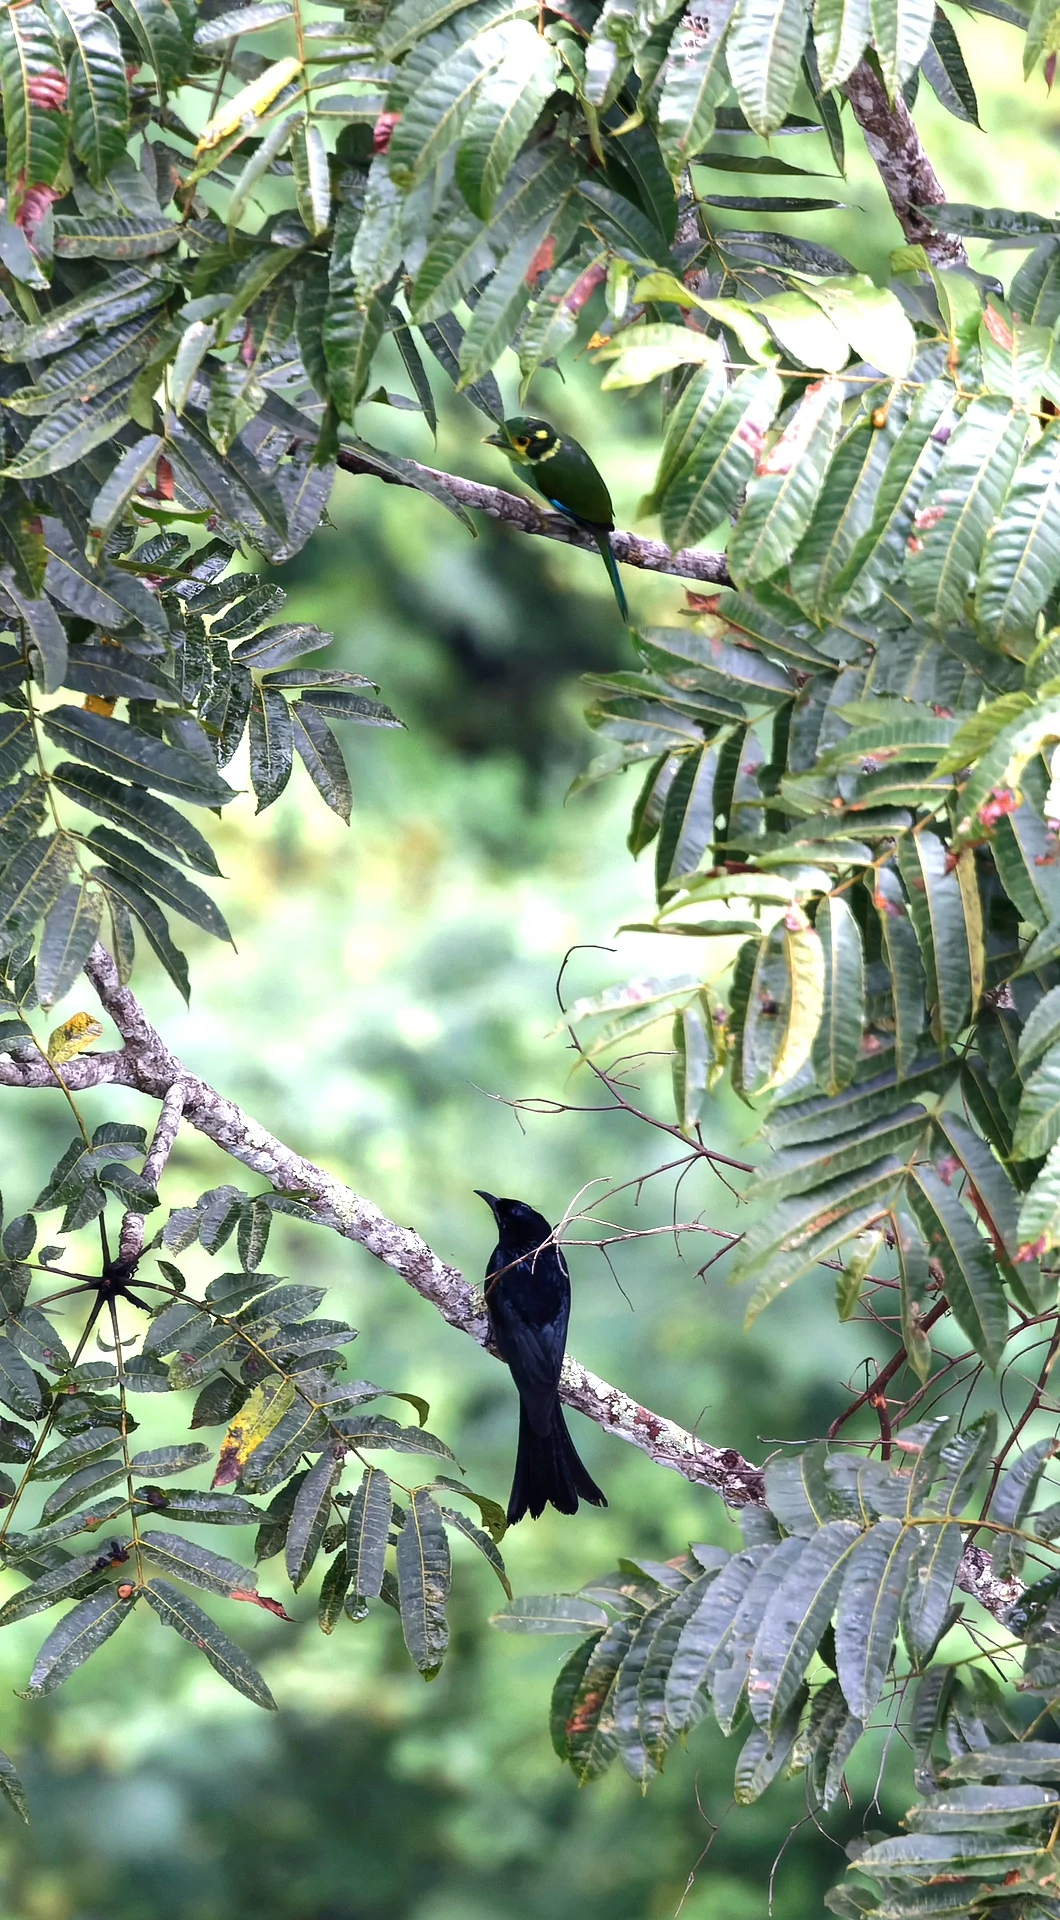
x=99, y=89
x=175, y=1610
x=784, y=490
x=367, y=1533
x=951, y=526
x=764, y=54
x=77, y=1637
x=424, y=1574
x=35, y=93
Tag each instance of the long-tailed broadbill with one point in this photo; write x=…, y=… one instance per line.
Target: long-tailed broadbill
x=562, y=471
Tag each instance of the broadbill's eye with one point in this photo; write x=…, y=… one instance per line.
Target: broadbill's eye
x=522, y=443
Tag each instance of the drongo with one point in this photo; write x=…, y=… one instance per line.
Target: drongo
x=528, y=1297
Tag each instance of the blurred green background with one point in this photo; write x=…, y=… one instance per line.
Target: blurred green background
x=390, y=981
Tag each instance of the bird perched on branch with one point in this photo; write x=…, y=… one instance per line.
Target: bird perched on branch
x=562, y=471
x=528, y=1298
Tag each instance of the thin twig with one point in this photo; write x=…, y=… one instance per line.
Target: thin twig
x=876, y=1387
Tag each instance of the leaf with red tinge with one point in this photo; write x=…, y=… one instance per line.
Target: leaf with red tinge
x=543, y=261
x=48, y=88
x=34, y=98
x=261, y=1600
x=999, y=330
x=198, y=1565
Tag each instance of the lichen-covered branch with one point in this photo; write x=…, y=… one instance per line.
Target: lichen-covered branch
x=975, y=1575
x=903, y=166
x=133, y=1226
x=651, y=556
x=88, y=1070
x=147, y=1064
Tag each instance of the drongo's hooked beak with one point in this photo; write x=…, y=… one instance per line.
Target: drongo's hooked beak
x=490, y=1198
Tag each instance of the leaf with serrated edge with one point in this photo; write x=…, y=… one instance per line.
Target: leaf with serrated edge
x=77, y=1636
x=423, y=1571
x=868, y=1612
x=310, y=1515
x=549, y=1613
x=141, y=813
x=1021, y=562
x=117, y=748
x=841, y=30
x=322, y=758
x=200, y=1566
x=99, y=88
x=973, y=1284
x=367, y=1533
x=783, y=492
x=175, y=1610
x=795, y=1619
x=764, y=53
x=692, y=84
x=936, y=908
x=479, y=1539
x=837, y=1048
x=69, y=935
x=901, y=32
x=950, y=528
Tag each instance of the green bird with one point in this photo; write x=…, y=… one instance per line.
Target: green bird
x=562, y=471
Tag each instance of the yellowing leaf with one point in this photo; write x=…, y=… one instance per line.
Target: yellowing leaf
x=253, y=1423
x=643, y=352
x=849, y=1281
x=973, y=920
x=249, y=103
x=75, y=1034
x=805, y=957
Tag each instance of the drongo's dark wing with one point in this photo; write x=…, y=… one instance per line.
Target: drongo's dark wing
x=535, y=1356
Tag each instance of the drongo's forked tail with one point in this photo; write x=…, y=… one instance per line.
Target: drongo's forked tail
x=548, y=1470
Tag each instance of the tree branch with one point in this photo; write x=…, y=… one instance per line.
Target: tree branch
x=148, y=1065
x=907, y=173
x=88, y=1070
x=976, y=1576
x=652, y=556
x=133, y=1226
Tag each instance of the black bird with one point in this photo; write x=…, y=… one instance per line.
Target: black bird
x=529, y=1306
